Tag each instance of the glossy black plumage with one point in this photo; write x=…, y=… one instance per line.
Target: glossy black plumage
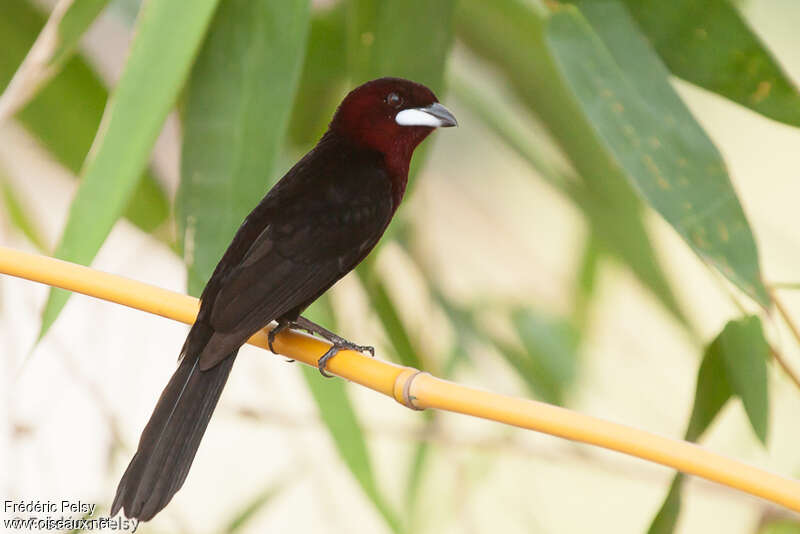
x=318, y=222
x=312, y=228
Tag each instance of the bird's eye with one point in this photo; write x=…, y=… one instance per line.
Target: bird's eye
x=394, y=100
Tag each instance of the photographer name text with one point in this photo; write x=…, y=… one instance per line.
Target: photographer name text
x=48, y=507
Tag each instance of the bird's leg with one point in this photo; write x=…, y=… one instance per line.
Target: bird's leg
x=313, y=328
x=339, y=343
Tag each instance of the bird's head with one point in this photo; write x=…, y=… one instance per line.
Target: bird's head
x=391, y=115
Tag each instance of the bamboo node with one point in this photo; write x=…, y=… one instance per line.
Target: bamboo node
x=402, y=387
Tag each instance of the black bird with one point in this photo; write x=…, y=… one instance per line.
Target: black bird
x=313, y=227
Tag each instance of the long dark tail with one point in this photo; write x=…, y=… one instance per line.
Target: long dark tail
x=172, y=436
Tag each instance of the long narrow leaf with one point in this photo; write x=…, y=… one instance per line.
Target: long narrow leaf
x=66, y=112
x=711, y=392
x=550, y=359
x=791, y=286
x=324, y=76
x=734, y=363
x=709, y=44
x=55, y=44
x=666, y=519
x=237, y=109
x=615, y=219
x=337, y=411
x=406, y=38
x=382, y=304
x=745, y=353
x=339, y=416
x=167, y=38
x=17, y=215
x=262, y=499
x=624, y=91
x=586, y=282
x=780, y=526
x=618, y=123
x=419, y=460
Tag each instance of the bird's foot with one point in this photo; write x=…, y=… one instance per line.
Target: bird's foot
x=337, y=342
x=341, y=344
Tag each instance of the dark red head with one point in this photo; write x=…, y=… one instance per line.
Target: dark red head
x=392, y=116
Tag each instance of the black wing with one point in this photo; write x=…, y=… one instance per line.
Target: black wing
x=314, y=227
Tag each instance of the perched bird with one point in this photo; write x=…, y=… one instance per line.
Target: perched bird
x=313, y=227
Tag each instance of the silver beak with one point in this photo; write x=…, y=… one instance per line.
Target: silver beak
x=434, y=116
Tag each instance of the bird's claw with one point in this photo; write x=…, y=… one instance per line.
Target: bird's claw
x=359, y=348
x=274, y=332
x=322, y=362
x=334, y=350
x=271, y=339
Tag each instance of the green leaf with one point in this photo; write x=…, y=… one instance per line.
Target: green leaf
x=324, y=77
x=236, y=116
x=405, y=38
x=786, y=285
x=619, y=228
x=462, y=320
x=624, y=90
x=339, y=416
x=549, y=362
x=419, y=459
x=127, y=10
x=503, y=122
x=666, y=519
x=66, y=113
x=709, y=44
x=711, y=392
x=166, y=39
x=745, y=352
x=73, y=23
x=17, y=215
x=149, y=209
x=615, y=217
x=586, y=282
x=781, y=526
x=53, y=47
x=69, y=139
x=382, y=304
x=618, y=120
x=734, y=363
x=255, y=505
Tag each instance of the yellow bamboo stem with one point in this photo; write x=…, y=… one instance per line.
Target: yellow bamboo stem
x=420, y=390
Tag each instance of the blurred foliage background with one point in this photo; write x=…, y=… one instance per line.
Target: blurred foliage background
x=580, y=181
